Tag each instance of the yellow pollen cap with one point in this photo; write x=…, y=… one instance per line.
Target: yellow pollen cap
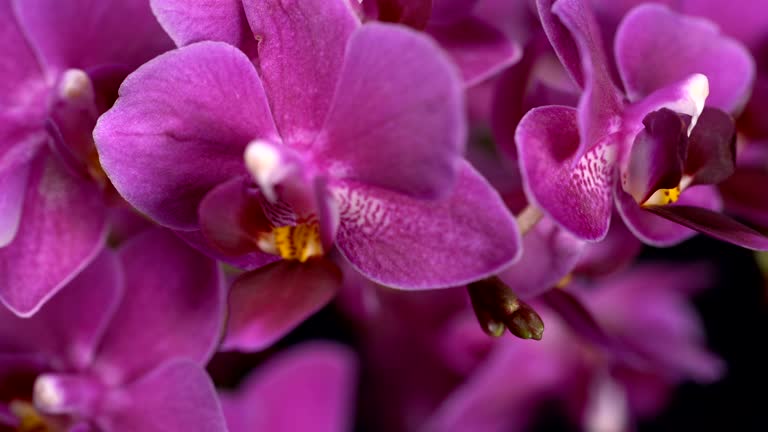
x=295, y=242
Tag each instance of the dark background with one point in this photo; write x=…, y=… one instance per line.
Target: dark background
x=735, y=315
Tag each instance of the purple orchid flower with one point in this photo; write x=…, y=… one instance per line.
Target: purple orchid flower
x=112, y=351
x=309, y=388
x=598, y=389
x=664, y=146
x=327, y=140
x=61, y=65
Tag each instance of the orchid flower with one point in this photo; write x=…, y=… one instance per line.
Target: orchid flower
x=320, y=139
x=651, y=152
x=121, y=347
x=61, y=64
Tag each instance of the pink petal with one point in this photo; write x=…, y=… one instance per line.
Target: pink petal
x=190, y=21
x=180, y=127
x=176, y=396
x=88, y=33
x=656, y=47
x=479, y=49
x=316, y=378
x=301, y=49
x=575, y=192
x=171, y=293
x=654, y=230
x=397, y=120
x=464, y=237
x=62, y=229
x=267, y=303
x=68, y=328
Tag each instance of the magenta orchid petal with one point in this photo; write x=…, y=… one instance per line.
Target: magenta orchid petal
x=549, y=254
x=657, y=155
x=68, y=327
x=562, y=41
x=301, y=49
x=383, y=233
x=187, y=22
x=267, y=303
x=13, y=187
x=656, y=47
x=478, y=49
x=63, y=227
x=317, y=378
x=166, y=142
x=714, y=224
x=711, y=155
x=73, y=36
x=175, y=396
x=22, y=93
x=575, y=192
x=171, y=292
x=600, y=106
x=408, y=131
x=654, y=230
x=745, y=20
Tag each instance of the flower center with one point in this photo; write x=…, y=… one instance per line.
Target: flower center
x=293, y=242
x=29, y=419
x=668, y=196
x=664, y=197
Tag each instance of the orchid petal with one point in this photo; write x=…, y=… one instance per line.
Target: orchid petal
x=171, y=293
x=180, y=127
x=714, y=225
x=319, y=377
x=88, y=33
x=657, y=231
x=176, y=396
x=549, y=254
x=712, y=148
x=574, y=191
x=13, y=187
x=187, y=22
x=267, y=303
x=383, y=233
x=301, y=49
x=68, y=328
x=657, y=155
x=600, y=106
x=479, y=49
x=63, y=227
x=397, y=125
x=656, y=47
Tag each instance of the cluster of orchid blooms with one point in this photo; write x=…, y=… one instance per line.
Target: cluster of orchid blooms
x=184, y=177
